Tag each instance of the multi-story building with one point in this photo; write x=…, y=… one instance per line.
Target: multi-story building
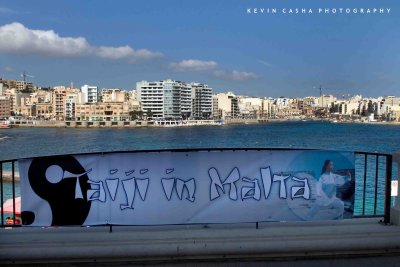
x=282, y=102
x=202, y=101
x=59, y=96
x=167, y=99
x=151, y=97
x=9, y=84
x=89, y=94
x=1, y=88
x=26, y=110
x=5, y=106
x=70, y=104
x=23, y=85
x=102, y=112
x=12, y=95
x=267, y=108
x=44, y=110
x=113, y=95
x=250, y=107
x=225, y=105
x=396, y=113
x=326, y=101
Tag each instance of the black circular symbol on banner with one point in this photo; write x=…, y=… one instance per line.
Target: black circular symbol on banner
x=68, y=206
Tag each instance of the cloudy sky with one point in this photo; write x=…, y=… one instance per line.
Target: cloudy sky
x=116, y=43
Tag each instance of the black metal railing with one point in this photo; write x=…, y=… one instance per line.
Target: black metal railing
x=373, y=176
x=373, y=185
x=8, y=177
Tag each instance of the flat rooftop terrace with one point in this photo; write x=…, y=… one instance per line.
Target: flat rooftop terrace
x=356, y=242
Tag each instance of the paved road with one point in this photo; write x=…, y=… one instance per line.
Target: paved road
x=357, y=242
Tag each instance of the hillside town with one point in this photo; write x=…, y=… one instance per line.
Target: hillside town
x=178, y=101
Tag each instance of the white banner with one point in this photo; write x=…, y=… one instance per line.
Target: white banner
x=175, y=187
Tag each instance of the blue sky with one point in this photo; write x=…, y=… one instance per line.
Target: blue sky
x=116, y=43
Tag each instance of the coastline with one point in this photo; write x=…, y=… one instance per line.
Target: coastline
x=175, y=123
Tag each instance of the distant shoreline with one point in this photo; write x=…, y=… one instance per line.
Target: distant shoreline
x=174, y=123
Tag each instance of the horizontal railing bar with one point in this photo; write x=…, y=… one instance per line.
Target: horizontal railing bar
x=194, y=150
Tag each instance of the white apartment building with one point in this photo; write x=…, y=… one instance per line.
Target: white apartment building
x=202, y=101
x=282, y=102
x=348, y=107
x=167, y=99
x=70, y=104
x=89, y=94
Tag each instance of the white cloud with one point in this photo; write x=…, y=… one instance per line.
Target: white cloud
x=193, y=65
x=16, y=38
x=125, y=52
x=5, y=10
x=265, y=63
x=235, y=75
x=7, y=69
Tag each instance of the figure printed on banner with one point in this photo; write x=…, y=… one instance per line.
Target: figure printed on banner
x=334, y=194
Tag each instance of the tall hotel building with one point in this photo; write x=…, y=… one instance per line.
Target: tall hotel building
x=202, y=101
x=167, y=99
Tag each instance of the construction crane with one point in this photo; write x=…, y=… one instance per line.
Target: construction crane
x=24, y=75
x=336, y=90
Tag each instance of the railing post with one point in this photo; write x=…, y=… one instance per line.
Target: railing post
x=395, y=211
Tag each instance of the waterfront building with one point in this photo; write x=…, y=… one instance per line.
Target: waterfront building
x=396, y=113
x=250, y=107
x=5, y=106
x=59, y=99
x=89, y=94
x=287, y=108
x=102, y=112
x=59, y=96
x=44, y=110
x=151, y=97
x=167, y=99
x=28, y=110
x=202, y=101
x=346, y=107
x=308, y=105
x=390, y=105
x=267, y=108
x=326, y=101
x=225, y=105
x=70, y=104
x=11, y=94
